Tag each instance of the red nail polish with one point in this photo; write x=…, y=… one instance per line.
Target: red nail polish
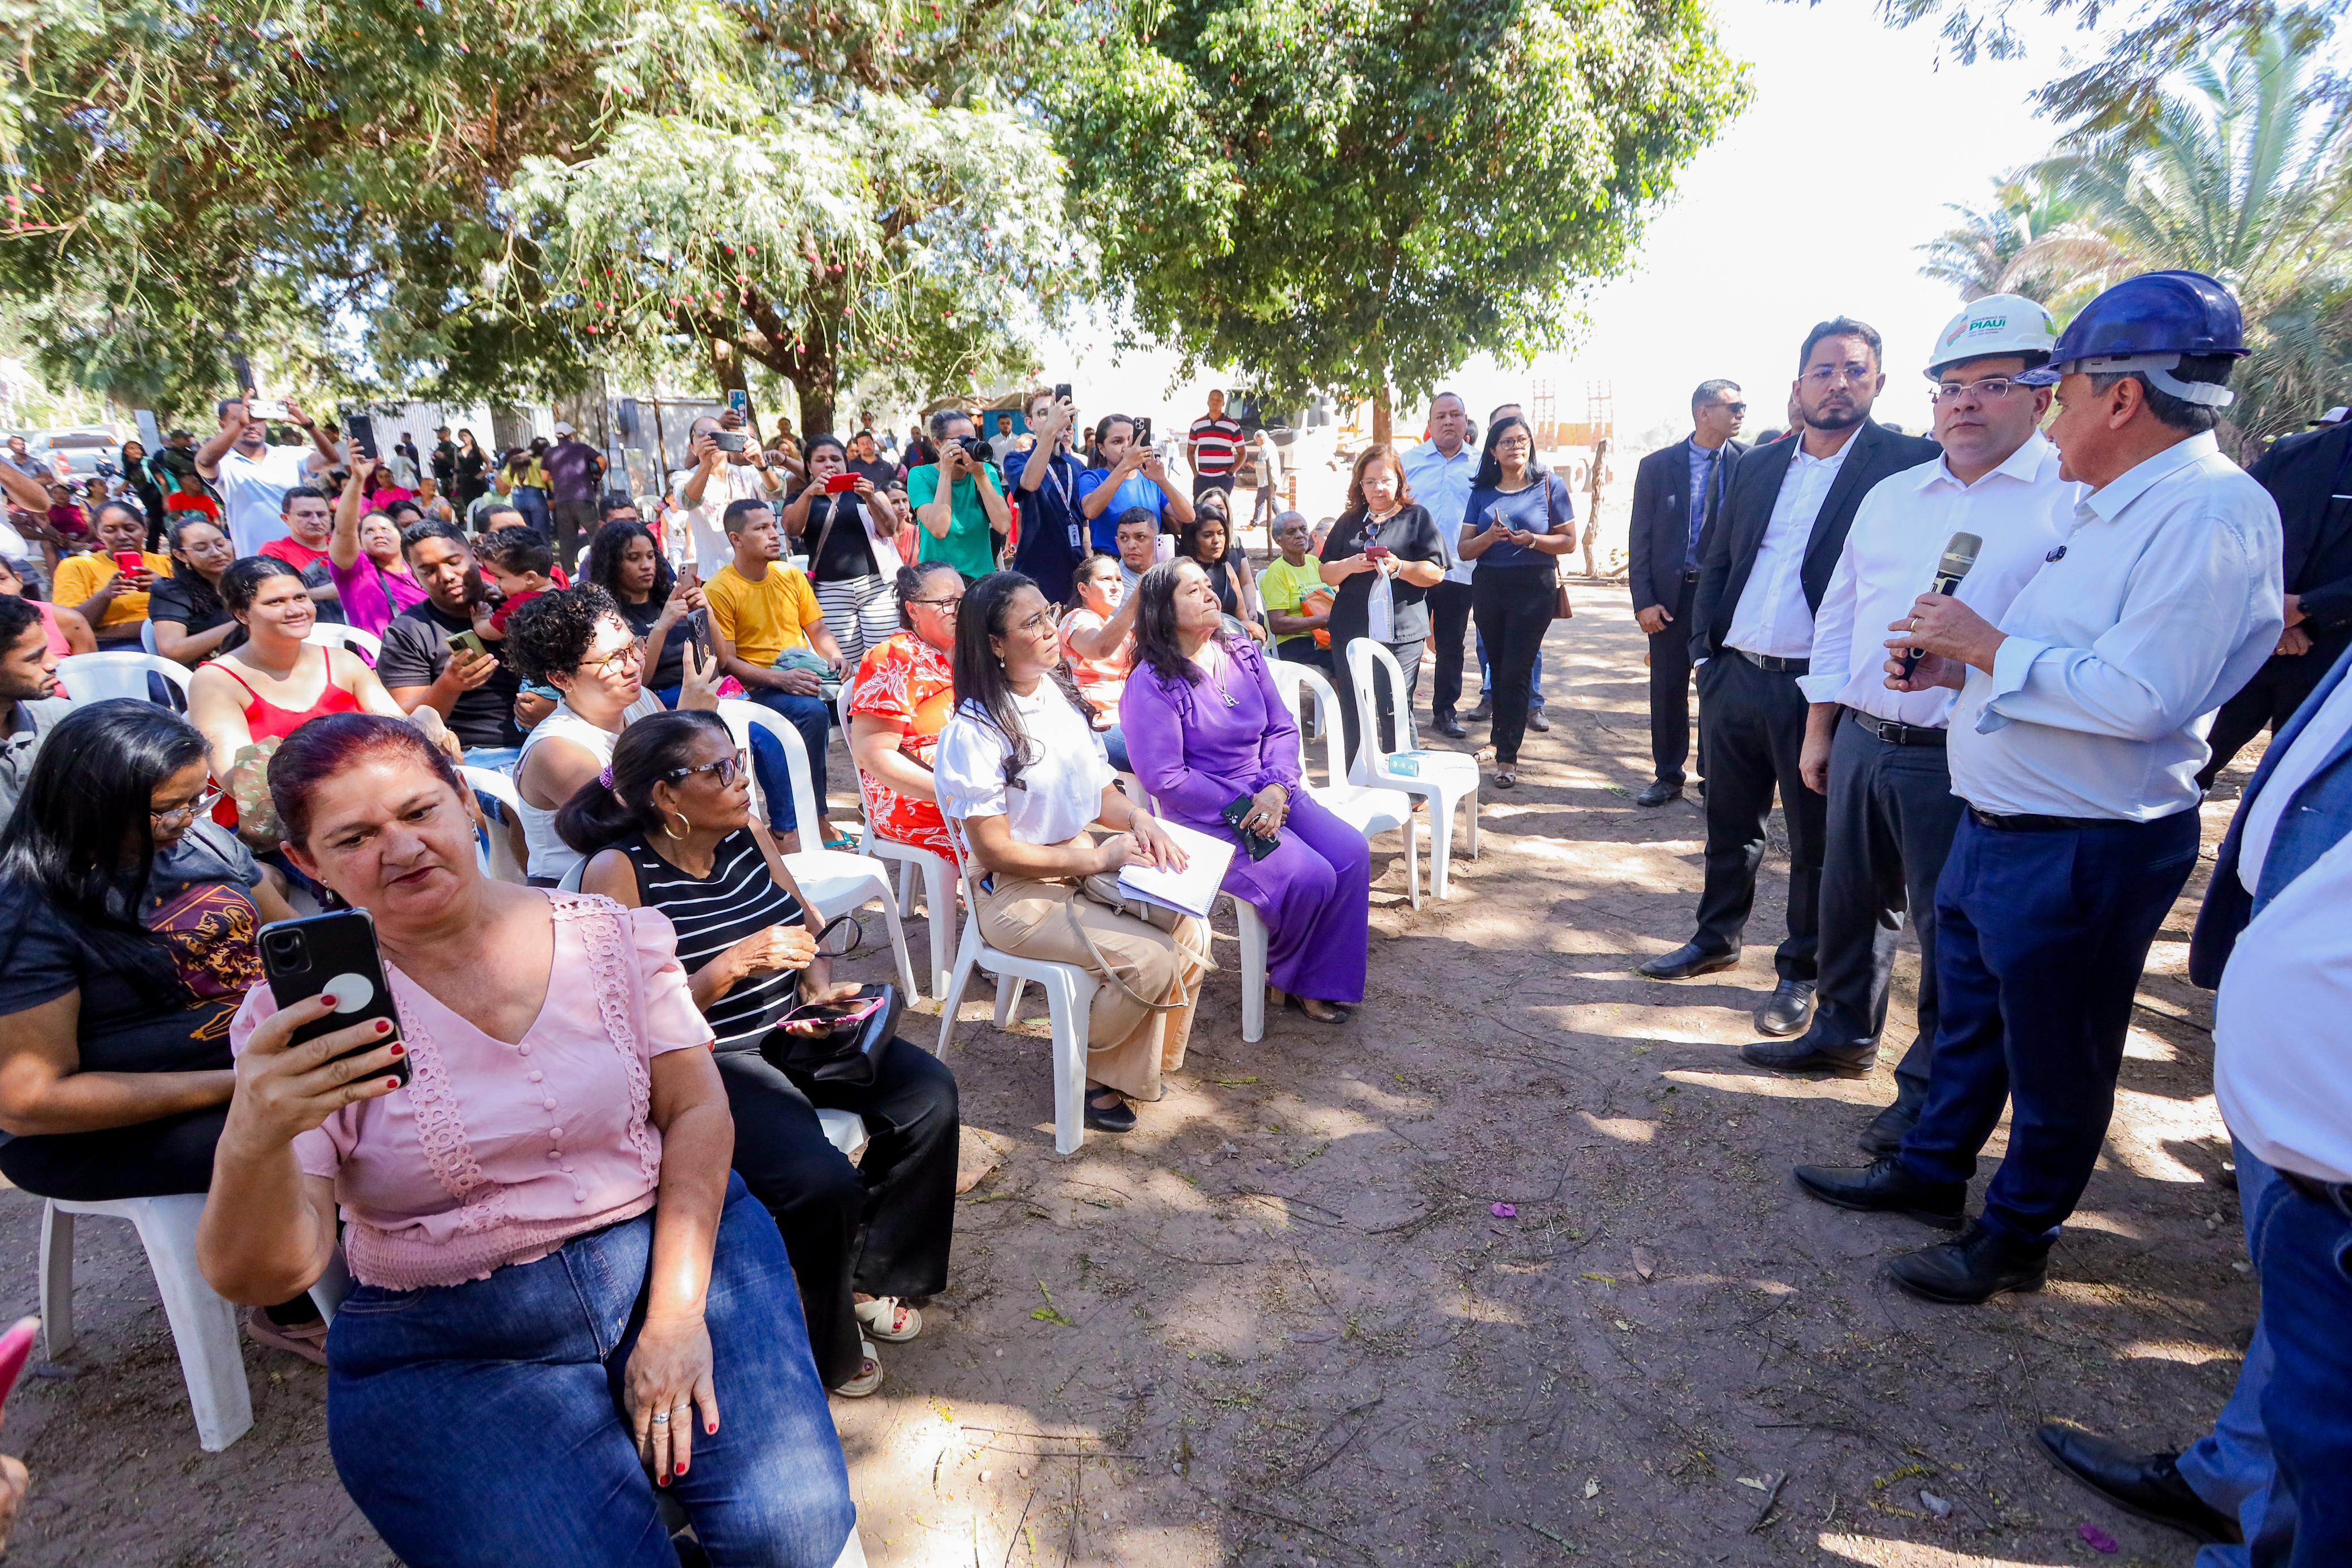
x=384, y=1026
x=392, y=1083
x=711, y=1431
x=662, y=1479
x=400, y=1050
x=681, y=1467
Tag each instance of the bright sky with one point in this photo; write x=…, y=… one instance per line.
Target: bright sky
x=1809, y=205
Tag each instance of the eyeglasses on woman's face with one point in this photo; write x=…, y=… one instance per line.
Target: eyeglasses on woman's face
x=621, y=659
x=726, y=771
x=945, y=604
x=170, y=818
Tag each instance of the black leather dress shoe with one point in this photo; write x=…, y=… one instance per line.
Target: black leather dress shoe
x=1973, y=1269
x=1885, y=1134
x=1786, y=1010
x=1117, y=1116
x=1806, y=1054
x=1884, y=1187
x=1446, y=725
x=2148, y=1485
x=1536, y=720
x=1658, y=793
x=1685, y=962
x=1482, y=713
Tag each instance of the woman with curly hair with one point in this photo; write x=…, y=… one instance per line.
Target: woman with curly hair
x=575, y=639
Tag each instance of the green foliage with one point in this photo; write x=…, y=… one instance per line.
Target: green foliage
x=1353, y=196
x=412, y=197
x=1977, y=255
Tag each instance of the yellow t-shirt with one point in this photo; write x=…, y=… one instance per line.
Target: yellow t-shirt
x=762, y=619
x=81, y=576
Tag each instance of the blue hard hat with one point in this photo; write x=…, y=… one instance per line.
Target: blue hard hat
x=2172, y=314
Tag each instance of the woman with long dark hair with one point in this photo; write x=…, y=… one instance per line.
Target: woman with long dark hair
x=127, y=939
x=1208, y=538
x=669, y=826
x=852, y=562
x=905, y=691
x=192, y=621
x=1382, y=558
x=1206, y=728
x=564, y=1293
x=365, y=561
x=1023, y=776
x=1521, y=518
x=626, y=563
x=469, y=481
x=141, y=480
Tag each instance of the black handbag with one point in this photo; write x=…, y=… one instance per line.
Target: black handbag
x=845, y=1056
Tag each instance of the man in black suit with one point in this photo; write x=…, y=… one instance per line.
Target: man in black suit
x=2310, y=477
x=1767, y=560
x=1676, y=491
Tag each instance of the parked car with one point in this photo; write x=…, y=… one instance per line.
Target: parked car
x=87, y=449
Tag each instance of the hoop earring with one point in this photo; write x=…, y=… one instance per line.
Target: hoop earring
x=668, y=832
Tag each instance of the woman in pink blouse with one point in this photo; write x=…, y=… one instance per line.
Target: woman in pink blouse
x=564, y=1297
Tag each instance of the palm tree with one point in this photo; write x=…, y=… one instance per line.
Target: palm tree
x=2245, y=174
x=1976, y=255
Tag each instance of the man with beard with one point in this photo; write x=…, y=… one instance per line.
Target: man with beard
x=1783, y=520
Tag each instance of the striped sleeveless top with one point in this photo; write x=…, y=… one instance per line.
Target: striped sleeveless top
x=713, y=914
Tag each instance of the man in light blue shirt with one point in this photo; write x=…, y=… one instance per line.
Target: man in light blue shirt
x=2076, y=743
x=1439, y=473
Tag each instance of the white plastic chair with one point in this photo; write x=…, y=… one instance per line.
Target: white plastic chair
x=147, y=637
x=328, y=634
x=1445, y=778
x=1250, y=931
x=101, y=677
x=844, y=1130
x=833, y=880
x=1069, y=999
x=939, y=873
x=498, y=856
x=1369, y=810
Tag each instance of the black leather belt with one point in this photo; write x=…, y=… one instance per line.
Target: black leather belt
x=2043, y=824
x=1776, y=666
x=1690, y=577
x=1895, y=734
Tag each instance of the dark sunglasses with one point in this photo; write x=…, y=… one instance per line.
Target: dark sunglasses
x=728, y=768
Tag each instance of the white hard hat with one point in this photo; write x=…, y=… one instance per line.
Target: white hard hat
x=1996, y=324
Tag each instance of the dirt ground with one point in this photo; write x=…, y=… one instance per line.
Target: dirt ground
x=1508, y=1271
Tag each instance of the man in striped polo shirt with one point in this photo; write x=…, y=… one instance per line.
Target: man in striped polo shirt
x=1213, y=446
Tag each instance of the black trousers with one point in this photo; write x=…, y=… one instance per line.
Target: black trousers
x=1204, y=483
x=882, y=1226
x=1669, y=684
x=1449, y=623
x=1513, y=606
x=1408, y=658
x=1752, y=727
x=150, y=1159
x=1892, y=815
x=2268, y=700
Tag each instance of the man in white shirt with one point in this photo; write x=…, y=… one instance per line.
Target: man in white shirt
x=2075, y=742
x=1778, y=530
x=1439, y=471
x=718, y=480
x=1878, y=755
x=253, y=477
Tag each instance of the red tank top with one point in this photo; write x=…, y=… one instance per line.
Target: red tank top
x=265, y=719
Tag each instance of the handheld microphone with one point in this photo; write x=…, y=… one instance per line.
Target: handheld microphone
x=1959, y=555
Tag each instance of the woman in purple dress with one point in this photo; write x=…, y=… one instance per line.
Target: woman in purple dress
x=1204, y=728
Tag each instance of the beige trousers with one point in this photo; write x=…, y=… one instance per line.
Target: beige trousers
x=1128, y=1045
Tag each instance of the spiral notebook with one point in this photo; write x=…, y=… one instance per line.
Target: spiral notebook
x=1191, y=890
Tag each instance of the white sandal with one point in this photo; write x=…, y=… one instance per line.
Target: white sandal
x=869, y=1377
x=889, y=1320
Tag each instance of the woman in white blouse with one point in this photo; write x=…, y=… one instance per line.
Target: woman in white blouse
x=1022, y=777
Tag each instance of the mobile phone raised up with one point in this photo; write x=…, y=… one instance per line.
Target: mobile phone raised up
x=841, y=483
x=1143, y=434
x=337, y=953
x=1061, y=392
x=126, y=561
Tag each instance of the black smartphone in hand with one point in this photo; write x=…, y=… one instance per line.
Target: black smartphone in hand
x=1237, y=811
x=335, y=952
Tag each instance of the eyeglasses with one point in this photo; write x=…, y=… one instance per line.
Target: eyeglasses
x=614, y=663
x=1830, y=375
x=1992, y=389
x=727, y=770
x=187, y=810
x=950, y=605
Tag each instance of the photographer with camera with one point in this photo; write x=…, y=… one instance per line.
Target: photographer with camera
x=729, y=467
x=959, y=501
x=252, y=476
x=1131, y=476
x=1045, y=479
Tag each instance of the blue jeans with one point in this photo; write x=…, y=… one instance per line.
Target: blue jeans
x=483, y=1424
x=2303, y=1251
x=2232, y=1466
x=2040, y=940
x=1115, y=746
x=1487, y=679
x=531, y=502
x=813, y=720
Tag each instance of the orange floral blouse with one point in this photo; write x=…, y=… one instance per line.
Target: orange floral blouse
x=908, y=684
